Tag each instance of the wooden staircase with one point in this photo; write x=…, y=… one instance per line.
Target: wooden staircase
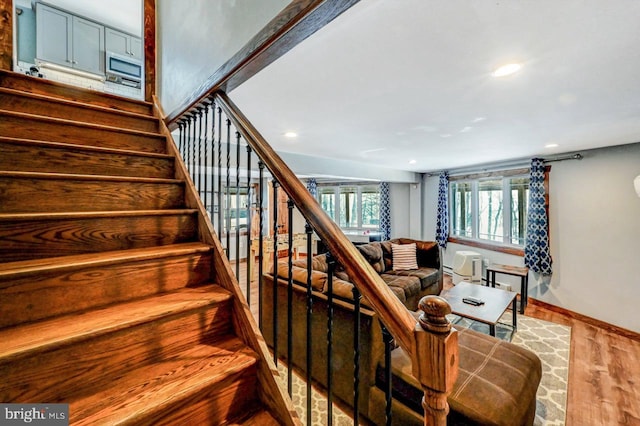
x=113, y=297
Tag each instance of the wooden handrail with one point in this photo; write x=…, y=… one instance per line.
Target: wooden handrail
x=392, y=312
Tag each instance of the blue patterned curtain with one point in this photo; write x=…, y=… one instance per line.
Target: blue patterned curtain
x=312, y=187
x=385, y=211
x=442, y=221
x=536, y=250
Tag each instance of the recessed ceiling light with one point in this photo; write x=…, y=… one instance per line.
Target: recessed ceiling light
x=551, y=145
x=291, y=135
x=412, y=161
x=507, y=69
x=445, y=135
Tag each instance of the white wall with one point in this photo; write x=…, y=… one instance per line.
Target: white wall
x=406, y=205
x=595, y=236
x=196, y=37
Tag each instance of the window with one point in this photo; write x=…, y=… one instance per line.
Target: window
x=352, y=207
x=236, y=214
x=492, y=209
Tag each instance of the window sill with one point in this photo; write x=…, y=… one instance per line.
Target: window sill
x=488, y=246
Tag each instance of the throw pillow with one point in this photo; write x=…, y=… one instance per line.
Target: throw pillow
x=404, y=257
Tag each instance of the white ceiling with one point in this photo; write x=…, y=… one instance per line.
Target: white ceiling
x=392, y=81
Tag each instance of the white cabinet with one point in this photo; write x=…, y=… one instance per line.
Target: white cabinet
x=69, y=40
x=123, y=44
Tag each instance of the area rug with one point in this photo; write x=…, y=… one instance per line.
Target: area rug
x=549, y=341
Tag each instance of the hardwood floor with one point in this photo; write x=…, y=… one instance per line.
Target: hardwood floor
x=604, y=368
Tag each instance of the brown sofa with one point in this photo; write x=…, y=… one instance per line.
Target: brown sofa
x=497, y=381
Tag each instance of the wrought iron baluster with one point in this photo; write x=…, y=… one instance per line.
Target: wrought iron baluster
x=180, y=138
x=356, y=355
x=220, y=229
x=249, y=251
x=193, y=148
x=199, y=153
x=260, y=240
x=237, y=209
x=205, y=150
x=331, y=266
x=227, y=202
x=275, y=271
x=187, y=144
x=387, y=338
x=290, y=206
x=213, y=160
x=308, y=231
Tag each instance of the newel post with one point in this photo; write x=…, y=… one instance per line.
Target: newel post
x=435, y=358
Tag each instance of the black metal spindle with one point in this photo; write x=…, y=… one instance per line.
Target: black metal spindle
x=187, y=145
x=213, y=159
x=275, y=271
x=249, y=252
x=180, y=137
x=331, y=266
x=290, y=206
x=387, y=338
x=194, y=146
x=237, y=209
x=227, y=201
x=220, y=229
x=356, y=355
x=205, y=150
x=260, y=240
x=199, y=153
x=308, y=231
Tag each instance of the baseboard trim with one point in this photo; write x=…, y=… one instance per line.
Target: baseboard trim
x=589, y=320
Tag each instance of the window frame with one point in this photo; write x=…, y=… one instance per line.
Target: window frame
x=337, y=191
x=474, y=241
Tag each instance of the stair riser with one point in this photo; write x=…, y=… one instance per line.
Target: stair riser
x=27, y=157
x=37, y=239
x=47, y=295
x=32, y=195
x=88, y=366
x=227, y=400
x=50, y=108
x=58, y=90
x=52, y=131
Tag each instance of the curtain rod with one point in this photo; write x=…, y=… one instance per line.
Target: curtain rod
x=577, y=156
x=503, y=165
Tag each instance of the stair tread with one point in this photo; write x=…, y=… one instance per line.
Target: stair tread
x=93, y=214
x=66, y=263
x=16, y=342
x=39, y=96
x=66, y=122
x=261, y=418
x=71, y=176
x=70, y=146
x=151, y=387
x=35, y=82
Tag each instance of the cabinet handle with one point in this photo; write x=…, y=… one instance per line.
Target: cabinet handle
x=75, y=62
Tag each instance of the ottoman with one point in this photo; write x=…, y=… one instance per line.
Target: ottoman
x=496, y=385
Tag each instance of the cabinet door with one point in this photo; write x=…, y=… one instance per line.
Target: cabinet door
x=136, y=48
x=116, y=42
x=53, y=35
x=88, y=46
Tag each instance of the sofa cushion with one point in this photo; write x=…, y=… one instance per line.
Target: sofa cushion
x=344, y=290
x=318, y=279
x=496, y=385
x=404, y=257
x=372, y=252
x=409, y=285
x=427, y=276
